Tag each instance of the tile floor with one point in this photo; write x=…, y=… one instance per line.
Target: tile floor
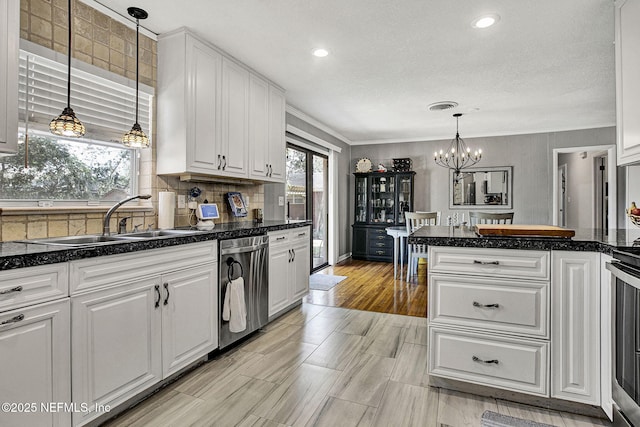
x=326, y=366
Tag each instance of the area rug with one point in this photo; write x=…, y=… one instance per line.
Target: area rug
x=324, y=282
x=493, y=419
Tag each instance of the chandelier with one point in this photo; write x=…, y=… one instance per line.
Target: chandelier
x=458, y=156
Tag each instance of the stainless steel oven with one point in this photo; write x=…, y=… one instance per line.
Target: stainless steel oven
x=626, y=336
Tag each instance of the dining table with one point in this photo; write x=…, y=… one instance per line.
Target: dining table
x=399, y=233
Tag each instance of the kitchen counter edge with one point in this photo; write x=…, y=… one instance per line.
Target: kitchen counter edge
x=18, y=254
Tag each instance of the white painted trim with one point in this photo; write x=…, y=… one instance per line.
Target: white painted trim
x=303, y=144
x=333, y=197
x=120, y=17
x=305, y=117
x=306, y=135
x=344, y=256
x=611, y=177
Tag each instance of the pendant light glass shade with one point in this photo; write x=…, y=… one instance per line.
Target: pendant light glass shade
x=458, y=156
x=67, y=124
x=136, y=138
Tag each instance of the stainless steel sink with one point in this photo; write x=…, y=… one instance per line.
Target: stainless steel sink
x=158, y=233
x=97, y=240
x=90, y=240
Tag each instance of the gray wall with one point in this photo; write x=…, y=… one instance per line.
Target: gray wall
x=530, y=155
x=272, y=191
x=580, y=197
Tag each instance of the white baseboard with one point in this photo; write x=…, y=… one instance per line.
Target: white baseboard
x=344, y=256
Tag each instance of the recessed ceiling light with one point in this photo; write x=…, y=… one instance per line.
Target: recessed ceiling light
x=485, y=21
x=442, y=105
x=320, y=52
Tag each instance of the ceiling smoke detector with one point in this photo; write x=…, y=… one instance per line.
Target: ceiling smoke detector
x=442, y=105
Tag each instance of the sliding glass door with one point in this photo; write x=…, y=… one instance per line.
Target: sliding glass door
x=307, y=197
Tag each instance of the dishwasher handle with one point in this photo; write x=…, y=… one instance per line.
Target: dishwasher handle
x=243, y=249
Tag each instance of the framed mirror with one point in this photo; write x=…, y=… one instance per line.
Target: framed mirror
x=481, y=188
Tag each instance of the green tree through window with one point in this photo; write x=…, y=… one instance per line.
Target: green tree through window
x=60, y=169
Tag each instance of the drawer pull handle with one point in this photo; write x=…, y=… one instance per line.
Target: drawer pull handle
x=477, y=359
x=477, y=304
x=380, y=245
x=14, y=319
x=302, y=234
x=12, y=290
x=475, y=261
x=380, y=252
x=381, y=237
x=281, y=238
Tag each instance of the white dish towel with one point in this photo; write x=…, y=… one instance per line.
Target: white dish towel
x=234, y=309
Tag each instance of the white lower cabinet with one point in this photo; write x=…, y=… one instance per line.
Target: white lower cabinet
x=142, y=329
x=512, y=319
x=35, y=366
x=575, y=331
x=289, y=267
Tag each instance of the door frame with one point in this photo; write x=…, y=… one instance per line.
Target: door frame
x=562, y=168
x=311, y=151
x=611, y=178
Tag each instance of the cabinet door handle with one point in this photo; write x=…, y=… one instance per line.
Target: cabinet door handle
x=224, y=166
x=12, y=290
x=475, y=261
x=290, y=255
x=294, y=255
x=477, y=304
x=477, y=359
x=159, y=296
x=219, y=161
x=270, y=170
x=14, y=319
x=267, y=167
x=166, y=288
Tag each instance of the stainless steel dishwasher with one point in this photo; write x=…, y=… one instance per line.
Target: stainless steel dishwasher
x=247, y=257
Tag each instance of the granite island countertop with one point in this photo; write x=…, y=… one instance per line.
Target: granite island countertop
x=20, y=254
x=591, y=240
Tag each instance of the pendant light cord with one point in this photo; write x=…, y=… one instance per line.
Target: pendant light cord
x=137, y=63
x=69, y=57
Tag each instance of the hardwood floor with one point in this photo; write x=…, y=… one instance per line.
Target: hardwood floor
x=326, y=366
x=370, y=286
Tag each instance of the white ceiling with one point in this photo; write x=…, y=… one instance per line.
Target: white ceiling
x=547, y=65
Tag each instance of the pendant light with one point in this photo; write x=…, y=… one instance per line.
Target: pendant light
x=458, y=156
x=136, y=138
x=67, y=124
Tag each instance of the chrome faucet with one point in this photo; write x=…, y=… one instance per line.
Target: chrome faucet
x=107, y=218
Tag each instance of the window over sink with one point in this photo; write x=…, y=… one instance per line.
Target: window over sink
x=67, y=171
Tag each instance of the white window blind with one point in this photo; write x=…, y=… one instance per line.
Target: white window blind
x=106, y=108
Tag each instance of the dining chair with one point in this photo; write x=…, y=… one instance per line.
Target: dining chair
x=415, y=220
x=490, y=218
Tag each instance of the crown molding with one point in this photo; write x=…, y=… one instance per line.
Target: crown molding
x=303, y=116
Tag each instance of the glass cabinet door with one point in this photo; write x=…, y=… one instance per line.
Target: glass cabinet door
x=405, y=196
x=382, y=199
x=361, y=199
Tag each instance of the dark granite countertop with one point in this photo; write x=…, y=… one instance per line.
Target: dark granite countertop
x=593, y=240
x=18, y=254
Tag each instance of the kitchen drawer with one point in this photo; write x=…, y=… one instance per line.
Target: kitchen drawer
x=503, y=305
x=277, y=238
x=380, y=244
x=299, y=234
x=25, y=286
x=380, y=252
x=516, y=364
x=516, y=263
x=100, y=272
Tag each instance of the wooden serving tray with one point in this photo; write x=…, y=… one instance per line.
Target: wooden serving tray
x=523, y=230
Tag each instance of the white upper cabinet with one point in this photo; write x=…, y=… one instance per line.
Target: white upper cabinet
x=266, y=130
x=235, y=119
x=627, y=16
x=215, y=115
x=9, y=46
